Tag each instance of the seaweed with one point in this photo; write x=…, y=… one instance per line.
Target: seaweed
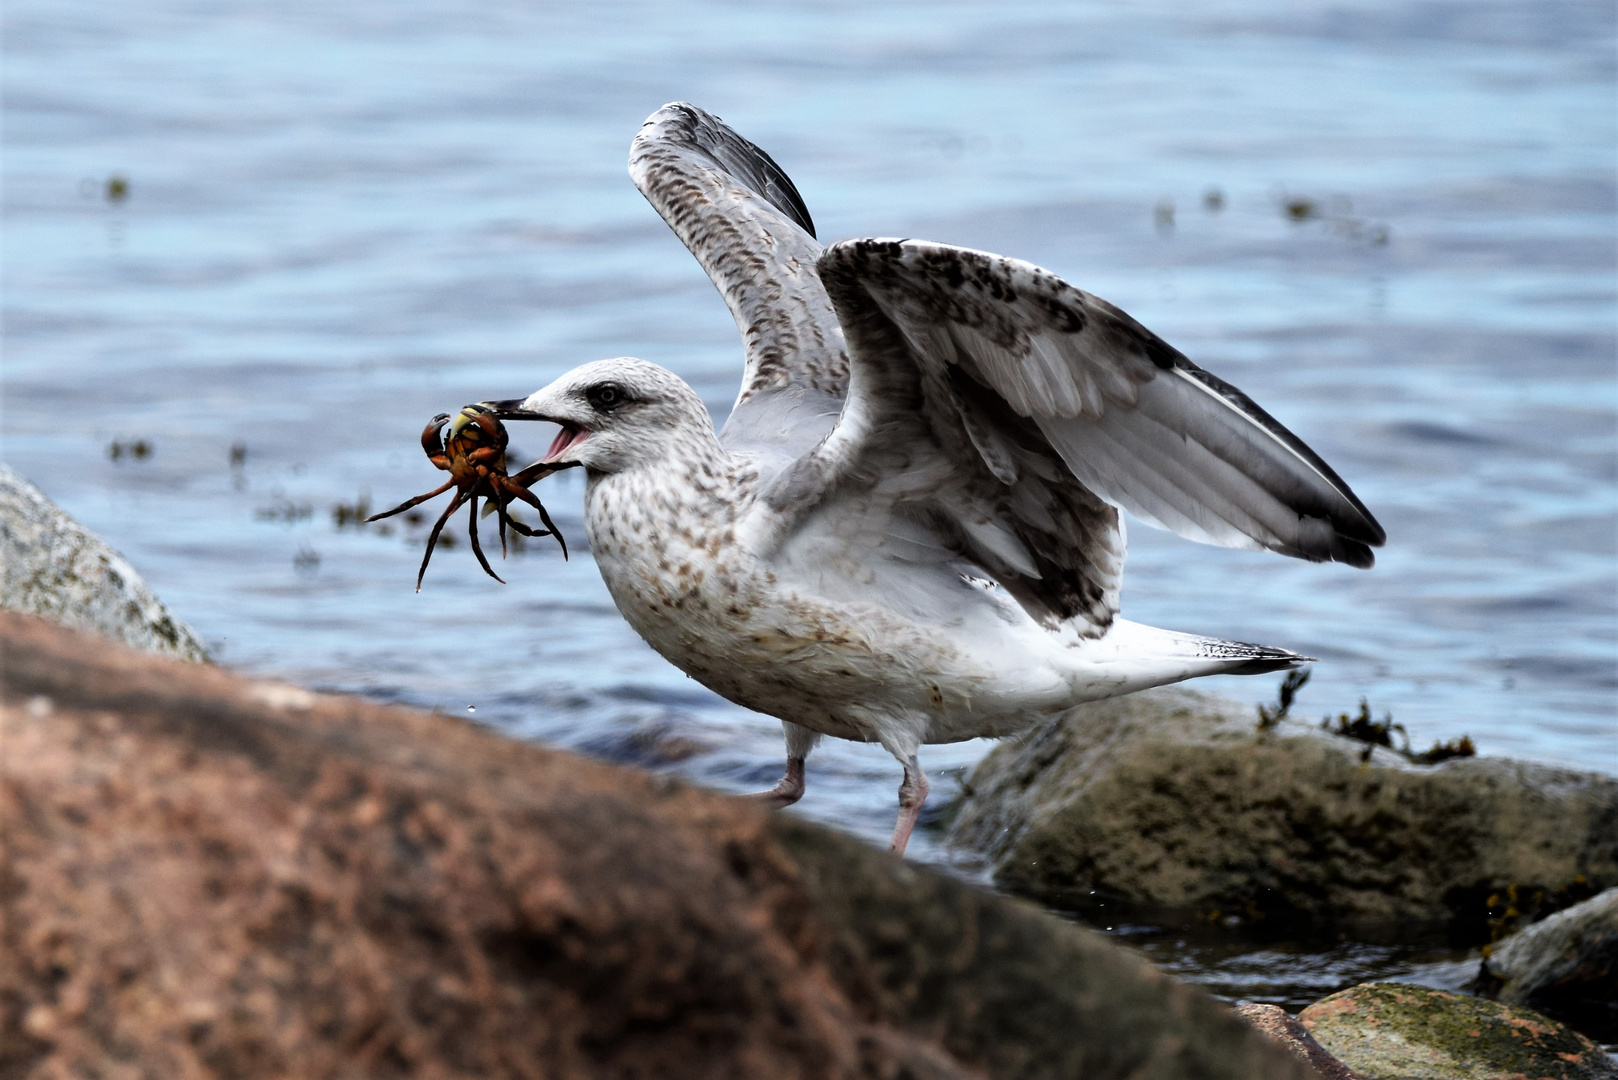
x=1362, y=727
x=1269, y=718
x=1516, y=906
x=1373, y=733
x=352, y=515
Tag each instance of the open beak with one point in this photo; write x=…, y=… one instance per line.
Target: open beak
x=570, y=436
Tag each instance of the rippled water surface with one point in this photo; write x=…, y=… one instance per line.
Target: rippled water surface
x=341, y=219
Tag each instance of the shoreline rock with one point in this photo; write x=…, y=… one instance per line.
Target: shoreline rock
x=1398, y=1031
x=53, y=567
x=1172, y=800
x=211, y=876
x=1286, y=1030
x=1565, y=965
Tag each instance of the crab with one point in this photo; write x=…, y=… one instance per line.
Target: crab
x=474, y=455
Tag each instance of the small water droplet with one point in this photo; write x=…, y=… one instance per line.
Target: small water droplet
x=471, y=708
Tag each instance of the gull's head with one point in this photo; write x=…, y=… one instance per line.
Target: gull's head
x=614, y=414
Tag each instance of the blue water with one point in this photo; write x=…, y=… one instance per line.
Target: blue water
x=341, y=219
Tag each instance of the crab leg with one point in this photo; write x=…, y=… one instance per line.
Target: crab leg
x=438, y=527
x=500, y=515
x=537, y=471
x=477, y=548
x=524, y=529
x=504, y=485
x=528, y=497
x=418, y=500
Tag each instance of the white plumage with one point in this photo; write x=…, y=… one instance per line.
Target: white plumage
x=909, y=530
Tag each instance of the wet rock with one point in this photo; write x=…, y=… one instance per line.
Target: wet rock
x=209, y=876
x=1396, y=1031
x=1286, y=1030
x=1171, y=799
x=52, y=566
x=1565, y=966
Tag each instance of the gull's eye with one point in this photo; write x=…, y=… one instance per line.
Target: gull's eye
x=606, y=396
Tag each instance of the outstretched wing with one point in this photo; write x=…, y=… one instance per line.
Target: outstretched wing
x=739, y=214
x=1013, y=404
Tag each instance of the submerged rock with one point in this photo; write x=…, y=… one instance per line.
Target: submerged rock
x=209, y=876
x=1172, y=799
x=1396, y=1031
x=52, y=566
x=1565, y=966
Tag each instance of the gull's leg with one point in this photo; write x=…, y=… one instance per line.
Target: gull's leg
x=912, y=793
x=903, y=744
x=789, y=789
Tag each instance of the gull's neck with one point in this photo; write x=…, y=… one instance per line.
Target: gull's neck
x=691, y=479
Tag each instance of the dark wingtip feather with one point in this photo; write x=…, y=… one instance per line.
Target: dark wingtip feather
x=1263, y=665
x=1353, y=553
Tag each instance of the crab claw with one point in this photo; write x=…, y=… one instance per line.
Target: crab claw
x=478, y=424
x=468, y=416
x=432, y=437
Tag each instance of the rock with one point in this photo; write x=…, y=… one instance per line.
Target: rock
x=52, y=566
x=1172, y=799
x=1285, y=1029
x=208, y=876
x=1566, y=966
x=1396, y=1031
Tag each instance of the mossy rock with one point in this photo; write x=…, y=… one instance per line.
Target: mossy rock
x=1171, y=799
x=1398, y=1031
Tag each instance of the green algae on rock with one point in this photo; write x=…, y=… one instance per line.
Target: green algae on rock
x=1285, y=1029
x=1398, y=1031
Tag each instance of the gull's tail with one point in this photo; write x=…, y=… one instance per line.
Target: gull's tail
x=1132, y=657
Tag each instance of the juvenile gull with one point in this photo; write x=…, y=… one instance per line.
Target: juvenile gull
x=909, y=530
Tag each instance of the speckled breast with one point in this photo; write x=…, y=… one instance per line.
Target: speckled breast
x=709, y=608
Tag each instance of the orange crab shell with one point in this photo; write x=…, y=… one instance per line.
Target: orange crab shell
x=474, y=455
x=476, y=444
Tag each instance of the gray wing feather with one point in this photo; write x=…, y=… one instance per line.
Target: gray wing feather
x=739, y=214
x=1132, y=419
x=918, y=441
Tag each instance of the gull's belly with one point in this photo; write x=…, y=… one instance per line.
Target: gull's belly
x=838, y=668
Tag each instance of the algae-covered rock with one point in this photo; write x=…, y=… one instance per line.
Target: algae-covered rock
x=1565, y=965
x=1397, y=1031
x=1285, y=1029
x=53, y=567
x=1173, y=799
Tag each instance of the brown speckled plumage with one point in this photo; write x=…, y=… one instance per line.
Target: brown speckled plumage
x=761, y=256
x=909, y=531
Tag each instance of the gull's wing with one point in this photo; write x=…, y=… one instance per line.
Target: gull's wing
x=739, y=214
x=1013, y=404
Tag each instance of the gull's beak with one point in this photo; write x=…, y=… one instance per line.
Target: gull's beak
x=571, y=435
x=510, y=409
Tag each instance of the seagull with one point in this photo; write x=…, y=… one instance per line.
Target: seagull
x=910, y=529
